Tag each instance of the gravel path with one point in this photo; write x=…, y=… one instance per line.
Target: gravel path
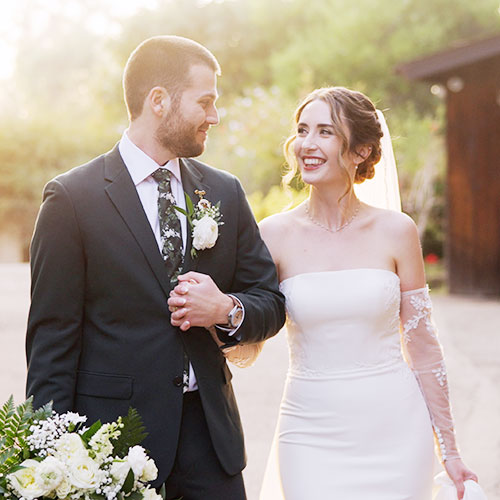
x=469, y=330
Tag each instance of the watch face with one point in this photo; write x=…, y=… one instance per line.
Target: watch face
x=235, y=316
x=238, y=316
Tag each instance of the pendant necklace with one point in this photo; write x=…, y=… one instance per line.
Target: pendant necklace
x=336, y=229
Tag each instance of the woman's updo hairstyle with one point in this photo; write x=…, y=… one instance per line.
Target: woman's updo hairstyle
x=350, y=109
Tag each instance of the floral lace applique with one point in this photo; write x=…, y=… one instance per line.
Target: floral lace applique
x=441, y=374
x=423, y=307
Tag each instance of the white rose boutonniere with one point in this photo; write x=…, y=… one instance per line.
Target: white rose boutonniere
x=204, y=220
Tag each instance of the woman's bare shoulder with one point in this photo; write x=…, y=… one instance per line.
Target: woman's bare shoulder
x=392, y=222
x=280, y=223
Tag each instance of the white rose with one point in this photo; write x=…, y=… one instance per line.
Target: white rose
x=119, y=470
x=50, y=473
x=137, y=460
x=64, y=489
x=83, y=472
x=68, y=445
x=150, y=472
x=205, y=233
x=24, y=481
x=150, y=494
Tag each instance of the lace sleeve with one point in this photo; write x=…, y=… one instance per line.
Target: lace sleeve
x=425, y=357
x=243, y=355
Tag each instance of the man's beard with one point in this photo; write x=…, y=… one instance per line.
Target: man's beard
x=179, y=136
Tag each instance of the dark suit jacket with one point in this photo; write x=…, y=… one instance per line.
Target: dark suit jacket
x=99, y=336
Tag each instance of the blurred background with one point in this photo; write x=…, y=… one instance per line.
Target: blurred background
x=61, y=98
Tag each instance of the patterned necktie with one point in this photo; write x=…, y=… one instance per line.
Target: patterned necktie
x=171, y=239
x=170, y=225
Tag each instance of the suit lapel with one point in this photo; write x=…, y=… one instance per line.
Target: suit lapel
x=192, y=179
x=123, y=194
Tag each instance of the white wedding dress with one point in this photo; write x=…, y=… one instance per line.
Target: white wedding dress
x=356, y=420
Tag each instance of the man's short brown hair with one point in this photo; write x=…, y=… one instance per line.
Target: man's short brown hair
x=162, y=61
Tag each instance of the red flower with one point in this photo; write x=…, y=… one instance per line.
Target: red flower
x=431, y=258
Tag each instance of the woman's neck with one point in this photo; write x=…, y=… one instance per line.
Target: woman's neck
x=332, y=208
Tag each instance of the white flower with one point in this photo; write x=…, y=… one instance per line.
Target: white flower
x=150, y=494
x=150, y=472
x=64, y=489
x=205, y=233
x=100, y=443
x=83, y=472
x=137, y=460
x=24, y=483
x=69, y=445
x=119, y=470
x=49, y=474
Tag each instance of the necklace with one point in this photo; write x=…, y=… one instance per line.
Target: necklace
x=336, y=229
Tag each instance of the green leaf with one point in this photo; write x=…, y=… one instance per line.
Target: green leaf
x=181, y=210
x=129, y=482
x=132, y=433
x=96, y=496
x=135, y=495
x=189, y=205
x=87, y=435
x=163, y=491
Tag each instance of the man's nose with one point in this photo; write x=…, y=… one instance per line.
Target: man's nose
x=213, y=116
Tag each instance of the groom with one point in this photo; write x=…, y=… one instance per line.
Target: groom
x=108, y=248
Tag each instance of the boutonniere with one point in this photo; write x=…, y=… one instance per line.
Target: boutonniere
x=204, y=220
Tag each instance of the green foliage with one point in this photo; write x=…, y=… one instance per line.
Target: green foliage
x=87, y=435
x=14, y=429
x=272, y=53
x=131, y=434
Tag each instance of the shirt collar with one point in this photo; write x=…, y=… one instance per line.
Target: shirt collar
x=139, y=164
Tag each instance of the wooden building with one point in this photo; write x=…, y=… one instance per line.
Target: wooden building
x=469, y=75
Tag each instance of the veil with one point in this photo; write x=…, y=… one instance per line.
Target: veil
x=382, y=190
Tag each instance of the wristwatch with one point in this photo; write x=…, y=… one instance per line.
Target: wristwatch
x=235, y=316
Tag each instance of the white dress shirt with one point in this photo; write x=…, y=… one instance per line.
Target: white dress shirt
x=140, y=167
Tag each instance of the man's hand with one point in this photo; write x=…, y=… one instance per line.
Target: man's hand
x=197, y=301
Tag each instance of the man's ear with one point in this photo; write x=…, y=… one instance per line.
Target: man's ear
x=158, y=101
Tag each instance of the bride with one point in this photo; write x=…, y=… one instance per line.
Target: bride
x=360, y=406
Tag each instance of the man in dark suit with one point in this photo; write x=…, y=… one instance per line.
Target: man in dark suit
x=106, y=253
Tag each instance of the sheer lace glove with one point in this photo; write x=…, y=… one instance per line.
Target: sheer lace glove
x=425, y=357
x=241, y=355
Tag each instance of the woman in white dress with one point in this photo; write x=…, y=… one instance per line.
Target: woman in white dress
x=358, y=416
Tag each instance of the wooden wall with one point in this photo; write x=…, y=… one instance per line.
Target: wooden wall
x=473, y=187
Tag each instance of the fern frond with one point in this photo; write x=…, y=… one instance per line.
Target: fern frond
x=7, y=410
x=132, y=433
x=43, y=413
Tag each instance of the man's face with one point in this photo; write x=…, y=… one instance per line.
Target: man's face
x=184, y=130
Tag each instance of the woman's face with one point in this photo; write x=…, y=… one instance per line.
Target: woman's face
x=317, y=146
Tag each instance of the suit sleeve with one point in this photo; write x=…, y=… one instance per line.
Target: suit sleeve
x=255, y=282
x=57, y=294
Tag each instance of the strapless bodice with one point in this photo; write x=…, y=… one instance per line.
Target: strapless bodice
x=343, y=323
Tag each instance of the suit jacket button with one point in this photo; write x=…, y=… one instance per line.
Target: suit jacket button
x=177, y=381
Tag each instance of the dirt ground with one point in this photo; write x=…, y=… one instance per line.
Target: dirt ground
x=469, y=331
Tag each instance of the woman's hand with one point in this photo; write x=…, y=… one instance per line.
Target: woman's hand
x=459, y=473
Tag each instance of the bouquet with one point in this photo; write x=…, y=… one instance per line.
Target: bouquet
x=45, y=455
